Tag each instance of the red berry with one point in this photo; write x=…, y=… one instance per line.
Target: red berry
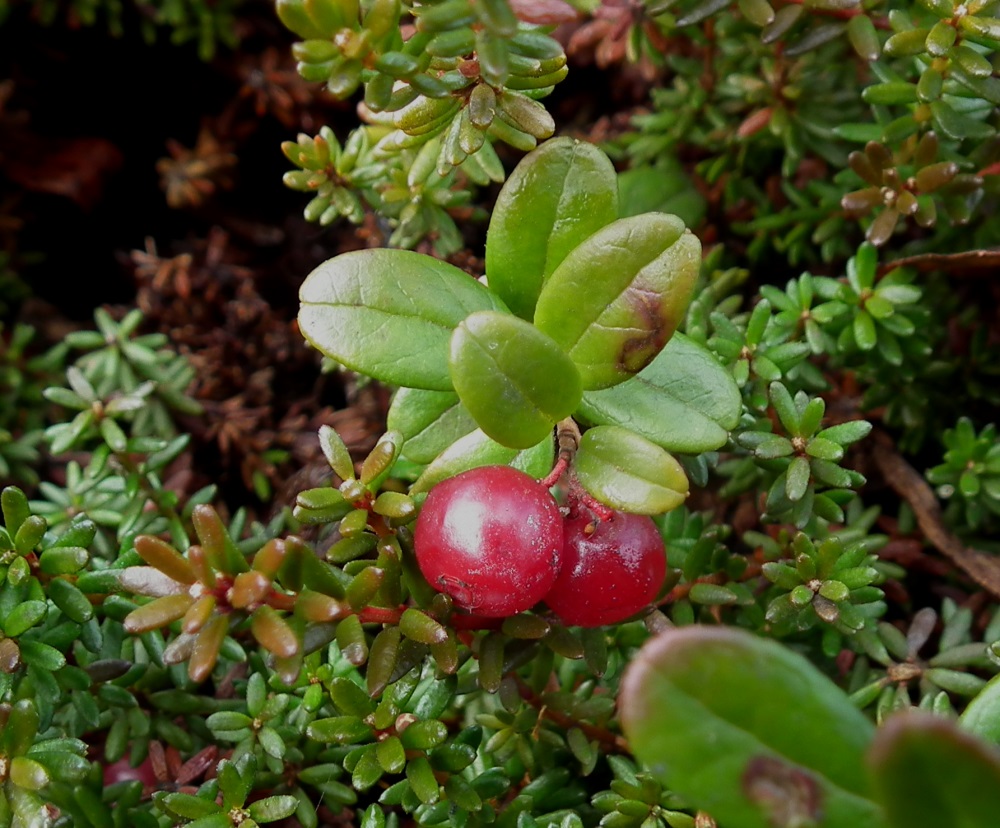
x=491, y=539
x=611, y=569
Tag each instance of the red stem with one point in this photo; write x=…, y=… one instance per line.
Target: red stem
x=553, y=476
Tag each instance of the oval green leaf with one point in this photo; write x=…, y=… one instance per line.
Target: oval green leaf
x=627, y=472
x=273, y=808
x=390, y=313
x=513, y=379
x=558, y=195
x=429, y=421
x=684, y=400
x=748, y=730
x=928, y=774
x=617, y=298
x=475, y=450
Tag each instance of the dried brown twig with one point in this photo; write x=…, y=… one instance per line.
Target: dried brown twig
x=908, y=483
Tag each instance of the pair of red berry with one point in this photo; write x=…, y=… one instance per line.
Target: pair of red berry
x=493, y=539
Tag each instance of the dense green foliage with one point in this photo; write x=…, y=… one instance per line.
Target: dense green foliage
x=752, y=313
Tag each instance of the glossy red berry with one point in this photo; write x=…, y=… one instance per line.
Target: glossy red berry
x=491, y=539
x=611, y=569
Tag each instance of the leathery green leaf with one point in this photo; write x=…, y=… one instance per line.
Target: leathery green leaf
x=429, y=421
x=617, y=298
x=684, y=400
x=558, y=195
x=627, y=472
x=748, y=730
x=513, y=379
x=390, y=313
x=475, y=450
x=928, y=773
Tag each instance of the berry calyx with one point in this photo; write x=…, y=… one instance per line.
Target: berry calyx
x=611, y=569
x=491, y=538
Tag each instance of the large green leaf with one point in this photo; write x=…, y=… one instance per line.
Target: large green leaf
x=556, y=197
x=429, y=421
x=617, y=298
x=748, y=730
x=929, y=774
x=390, y=313
x=513, y=379
x=475, y=450
x=627, y=472
x=684, y=400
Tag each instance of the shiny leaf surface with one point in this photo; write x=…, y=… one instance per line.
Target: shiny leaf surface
x=684, y=400
x=554, y=199
x=748, y=730
x=617, y=298
x=475, y=450
x=513, y=379
x=628, y=472
x=390, y=313
x=429, y=421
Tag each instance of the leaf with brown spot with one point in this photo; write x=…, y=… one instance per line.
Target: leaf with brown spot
x=748, y=730
x=616, y=299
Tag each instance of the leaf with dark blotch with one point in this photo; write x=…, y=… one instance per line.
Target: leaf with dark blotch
x=748, y=730
x=617, y=298
x=390, y=313
x=929, y=774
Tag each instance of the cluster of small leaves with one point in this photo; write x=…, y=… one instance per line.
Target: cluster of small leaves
x=871, y=323
x=831, y=582
x=895, y=674
x=467, y=75
x=23, y=378
x=121, y=377
x=908, y=185
x=802, y=472
x=804, y=27
x=126, y=391
x=741, y=98
x=969, y=476
x=753, y=97
x=234, y=783
x=946, y=49
x=404, y=187
x=636, y=800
